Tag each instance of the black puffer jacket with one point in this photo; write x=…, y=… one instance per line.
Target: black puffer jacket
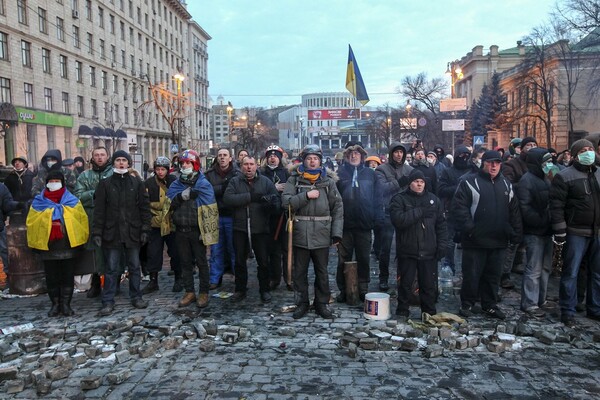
x=575, y=200
x=362, y=204
x=533, y=193
x=219, y=183
x=238, y=196
x=486, y=212
x=515, y=168
x=451, y=176
x=389, y=173
x=416, y=236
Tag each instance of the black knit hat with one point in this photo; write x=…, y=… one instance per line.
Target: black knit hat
x=414, y=175
x=121, y=153
x=528, y=139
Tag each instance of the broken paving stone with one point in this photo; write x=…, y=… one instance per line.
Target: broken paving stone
x=445, y=333
x=91, y=351
x=116, y=378
x=524, y=329
x=434, y=331
x=15, y=386
x=286, y=331
x=169, y=343
x=496, y=347
x=191, y=335
x=449, y=343
x=147, y=350
x=123, y=356
x=546, y=337
x=38, y=375
x=381, y=335
x=244, y=333
x=368, y=343
x=207, y=345
x=346, y=340
x=43, y=387
x=432, y=339
x=200, y=329
x=11, y=355
x=230, y=337
x=57, y=373
x=90, y=382
x=473, y=341
x=352, y=350
x=434, y=351
x=210, y=325
x=8, y=373
x=462, y=343
x=506, y=338
x=409, y=345
x=29, y=346
x=79, y=358
x=501, y=328
x=387, y=345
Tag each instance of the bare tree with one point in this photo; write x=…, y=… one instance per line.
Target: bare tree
x=578, y=15
x=422, y=90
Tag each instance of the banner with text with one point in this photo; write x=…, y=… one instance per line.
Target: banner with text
x=339, y=113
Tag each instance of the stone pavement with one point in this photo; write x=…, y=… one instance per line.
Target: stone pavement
x=255, y=351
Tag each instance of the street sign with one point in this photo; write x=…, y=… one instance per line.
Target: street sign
x=453, y=125
x=447, y=105
x=174, y=148
x=408, y=123
x=422, y=121
x=478, y=141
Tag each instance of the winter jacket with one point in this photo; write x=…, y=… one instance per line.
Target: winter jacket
x=157, y=195
x=121, y=212
x=362, y=203
x=418, y=237
x=7, y=204
x=219, y=184
x=20, y=184
x=575, y=200
x=238, y=196
x=450, y=178
x=39, y=182
x=486, y=212
x=515, y=168
x=389, y=173
x=316, y=221
x=533, y=192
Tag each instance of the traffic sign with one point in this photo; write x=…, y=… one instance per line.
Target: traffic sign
x=453, y=125
x=447, y=105
x=478, y=141
x=174, y=148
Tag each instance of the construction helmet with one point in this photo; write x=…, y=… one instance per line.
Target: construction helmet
x=162, y=162
x=311, y=149
x=190, y=156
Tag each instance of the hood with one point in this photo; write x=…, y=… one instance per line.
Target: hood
x=439, y=151
x=52, y=153
x=535, y=158
x=394, y=146
x=595, y=139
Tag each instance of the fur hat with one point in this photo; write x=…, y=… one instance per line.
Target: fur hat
x=528, y=139
x=355, y=147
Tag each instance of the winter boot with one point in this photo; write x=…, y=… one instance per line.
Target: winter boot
x=152, y=286
x=54, y=294
x=66, y=294
x=95, y=289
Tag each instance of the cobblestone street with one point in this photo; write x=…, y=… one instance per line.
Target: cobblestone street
x=259, y=352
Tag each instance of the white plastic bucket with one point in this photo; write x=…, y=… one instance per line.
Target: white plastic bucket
x=377, y=306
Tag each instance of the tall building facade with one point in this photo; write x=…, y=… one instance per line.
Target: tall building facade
x=79, y=74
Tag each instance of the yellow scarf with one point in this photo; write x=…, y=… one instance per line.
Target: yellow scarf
x=312, y=178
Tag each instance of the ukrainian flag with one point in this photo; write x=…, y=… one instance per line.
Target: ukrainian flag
x=354, y=81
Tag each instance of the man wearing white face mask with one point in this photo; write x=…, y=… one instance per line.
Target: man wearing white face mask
x=575, y=215
x=52, y=161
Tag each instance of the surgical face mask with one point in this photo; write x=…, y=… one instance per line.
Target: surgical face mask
x=53, y=186
x=50, y=163
x=547, y=167
x=120, y=171
x=187, y=171
x=587, y=157
x=431, y=160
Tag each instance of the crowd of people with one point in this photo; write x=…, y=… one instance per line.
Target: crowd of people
x=504, y=210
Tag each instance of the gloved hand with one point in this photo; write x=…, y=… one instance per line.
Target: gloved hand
x=144, y=238
x=336, y=240
x=97, y=240
x=254, y=196
x=185, y=195
x=560, y=238
x=266, y=199
x=429, y=212
x=403, y=181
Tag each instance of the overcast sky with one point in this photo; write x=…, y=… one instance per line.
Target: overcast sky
x=269, y=53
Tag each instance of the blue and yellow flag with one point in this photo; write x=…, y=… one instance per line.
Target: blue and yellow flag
x=354, y=81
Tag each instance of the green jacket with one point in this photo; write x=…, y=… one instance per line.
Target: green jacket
x=85, y=189
x=316, y=221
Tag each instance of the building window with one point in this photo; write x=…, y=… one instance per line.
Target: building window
x=116, y=113
x=92, y=76
x=46, y=63
x=5, y=90
x=115, y=84
x=64, y=66
x=22, y=11
x=88, y=9
x=113, y=54
x=2, y=12
x=131, y=37
x=65, y=103
x=111, y=24
x=3, y=46
x=48, y=99
x=51, y=137
x=94, y=108
x=101, y=17
x=80, y=106
x=106, y=110
x=125, y=87
x=102, y=49
x=90, y=43
x=78, y=71
x=123, y=58
x=43, y=20
x=126, y=114
x=60, y=29
x=26, y=53
x=104, y=80
x=76, y=42
x=28, y=91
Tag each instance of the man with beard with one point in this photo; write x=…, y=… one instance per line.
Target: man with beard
x=85, y=190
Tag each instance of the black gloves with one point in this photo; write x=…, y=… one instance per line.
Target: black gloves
x=336, y=240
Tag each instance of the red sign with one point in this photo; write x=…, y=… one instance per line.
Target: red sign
x=339, y=113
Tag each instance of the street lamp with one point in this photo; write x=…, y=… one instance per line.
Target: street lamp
x=301, y=119
x=454, y=71
x=179, y=78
